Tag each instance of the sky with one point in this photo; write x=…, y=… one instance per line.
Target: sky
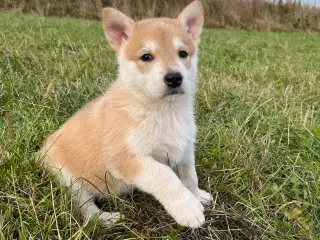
x=311, y=2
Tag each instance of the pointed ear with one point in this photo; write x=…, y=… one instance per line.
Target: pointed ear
x=117, y=27
x=191, y=20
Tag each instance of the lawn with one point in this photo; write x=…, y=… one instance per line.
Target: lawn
x=258, y=146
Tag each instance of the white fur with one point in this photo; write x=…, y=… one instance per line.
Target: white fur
x=83, y=198
x=151, y=85
x=178, y=44
x=165, y=136
x=160, y=181
x=149, y=47
x=165, y=139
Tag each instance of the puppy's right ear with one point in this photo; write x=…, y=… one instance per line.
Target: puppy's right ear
x=117, y=27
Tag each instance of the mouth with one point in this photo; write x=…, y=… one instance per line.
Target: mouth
x=174, y=92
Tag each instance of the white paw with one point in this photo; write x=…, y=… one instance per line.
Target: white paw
x=204, y=197
x=110, y=218
x=106, y=217
x=187, y=210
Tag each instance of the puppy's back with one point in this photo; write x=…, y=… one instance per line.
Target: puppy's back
x=92, y=145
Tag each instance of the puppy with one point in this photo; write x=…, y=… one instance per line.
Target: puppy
x=143, y=126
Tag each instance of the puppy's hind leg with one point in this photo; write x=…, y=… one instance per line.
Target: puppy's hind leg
x=85, y=200
x=89, y=209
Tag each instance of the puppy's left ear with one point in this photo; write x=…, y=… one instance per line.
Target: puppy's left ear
x=191, y=20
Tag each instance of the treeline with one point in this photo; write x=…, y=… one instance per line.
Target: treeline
x=277, y=15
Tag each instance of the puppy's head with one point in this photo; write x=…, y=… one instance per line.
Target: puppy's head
x=157, y=57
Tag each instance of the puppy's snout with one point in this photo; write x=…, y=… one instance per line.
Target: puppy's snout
x=173, y=79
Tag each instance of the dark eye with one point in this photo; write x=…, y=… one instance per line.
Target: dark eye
x=183, y=54
x=146, y=57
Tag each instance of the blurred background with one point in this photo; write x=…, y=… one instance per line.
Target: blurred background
x=277, y=15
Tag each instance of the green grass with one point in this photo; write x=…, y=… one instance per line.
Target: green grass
x=258, y=149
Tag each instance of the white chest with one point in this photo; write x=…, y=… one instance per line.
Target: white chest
x=164, y=135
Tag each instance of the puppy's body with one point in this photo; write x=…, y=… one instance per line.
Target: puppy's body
x=144, y=125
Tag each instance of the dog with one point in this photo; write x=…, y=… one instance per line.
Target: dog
x=143, y=127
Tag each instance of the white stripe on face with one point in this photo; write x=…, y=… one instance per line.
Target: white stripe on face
x=149, y=46
x=178, y=44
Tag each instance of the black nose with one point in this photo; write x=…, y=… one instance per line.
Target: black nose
x=173, y=79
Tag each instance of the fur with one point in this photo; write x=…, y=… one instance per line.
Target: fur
x=133, y=135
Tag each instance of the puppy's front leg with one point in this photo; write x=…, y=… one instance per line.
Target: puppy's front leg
x=188, y=175
x=160, y=181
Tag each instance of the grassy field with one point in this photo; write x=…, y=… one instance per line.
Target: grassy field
x=258, y=149
x=261, y=15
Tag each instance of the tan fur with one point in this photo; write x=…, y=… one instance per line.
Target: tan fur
x=162, y=32
x=112, y=15
x=97, y=133
x=123, y=139
x=197, y=9
x=91, y=145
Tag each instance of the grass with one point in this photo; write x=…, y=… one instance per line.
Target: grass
x=261, y=15
x=258, y=115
